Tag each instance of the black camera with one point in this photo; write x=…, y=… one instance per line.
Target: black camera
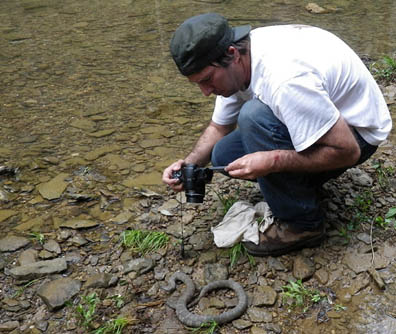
x=194, y=179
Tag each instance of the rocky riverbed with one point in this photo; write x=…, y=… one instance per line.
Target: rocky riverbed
x=52, y=262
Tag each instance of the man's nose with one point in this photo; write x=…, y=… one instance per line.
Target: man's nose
x=206, y=89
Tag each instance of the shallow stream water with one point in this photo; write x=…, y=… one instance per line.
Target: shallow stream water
x=90, y=86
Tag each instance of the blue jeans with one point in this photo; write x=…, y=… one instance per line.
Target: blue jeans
x=292, y=197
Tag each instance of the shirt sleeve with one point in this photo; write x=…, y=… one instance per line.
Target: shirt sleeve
x=227, y=109
x=304, y=106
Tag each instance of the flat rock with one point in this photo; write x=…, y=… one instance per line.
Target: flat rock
x=215, y=272
x=362, y=262
x=54, y=188
x=93, y=155
x=257, y=314
x=360, y=177
x=99, y=280
x=140, y=266
x=303, y=268
x=8, y=326
x=78, y=223
x=38, y=269
x=12, y=243
x=264, y=296
x=5, y=214
x=52, y=246
x=56, y=293
x=27, y=256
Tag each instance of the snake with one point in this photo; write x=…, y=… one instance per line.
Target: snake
x=196, y=320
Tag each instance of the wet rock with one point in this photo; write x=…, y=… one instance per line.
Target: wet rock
x=45, y=255
x=364, y=237
x=362, y=262
x=73, y=257
x=56, y=293
x=38, y=269
x=322, y=276
x=264, y=296
x=83, y=124
x=78, y=240
x=257, y=330
x=303, y=268
x=146, y=179
x=359, y=283
x=2, y=263
x=257, y=314
x=52, y=246
x=377, y=278
x=241, y=324
x=54, y=188
x=201, y=240
x=360, y=177
x=5, y=214
x=93, y=155
x=139, y=266
x=176, y=230
x=99, y=280
x=101, y=133
x=170, y=325
x=8, y=326
x=79, y=223
x=276, y=264
x=215, y=272
x=122, y=218
x=12, y=243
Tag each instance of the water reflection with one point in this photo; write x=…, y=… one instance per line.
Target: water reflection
x=80, y=76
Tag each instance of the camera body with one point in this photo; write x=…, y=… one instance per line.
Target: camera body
x=194, y=179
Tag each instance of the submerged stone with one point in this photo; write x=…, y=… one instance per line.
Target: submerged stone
x=78, y=223
x=5, y=214
x=54, y=188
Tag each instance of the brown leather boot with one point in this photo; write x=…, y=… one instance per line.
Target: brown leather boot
x=282, y=238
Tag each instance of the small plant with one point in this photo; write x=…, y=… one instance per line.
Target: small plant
x=118, y=300
x=385, y=69
x=299, y=295
x=24, y=287
x=37, y=236
x=144, y=241
x=344, y=234
x=227, y=201
x=237, y=251
x=114, y=326
x=86, y=309
x=339, y=308
x=383, y=173
x=206, y=328
x=389, y=219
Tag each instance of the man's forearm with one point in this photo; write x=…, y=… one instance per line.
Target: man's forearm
x=202, y=150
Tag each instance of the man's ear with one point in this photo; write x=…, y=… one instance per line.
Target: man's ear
x=235, y=52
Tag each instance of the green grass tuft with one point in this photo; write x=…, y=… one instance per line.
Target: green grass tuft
x=237, y=251
x=144, y=242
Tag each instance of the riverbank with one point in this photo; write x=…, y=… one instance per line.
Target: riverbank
x=53, y=263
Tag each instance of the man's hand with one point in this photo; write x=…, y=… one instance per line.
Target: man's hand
x=167, y=175
x=251, y=166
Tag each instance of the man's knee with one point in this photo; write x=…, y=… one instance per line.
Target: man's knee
x=255, y=113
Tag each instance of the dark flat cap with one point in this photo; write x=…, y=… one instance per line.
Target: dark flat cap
x=202, y=39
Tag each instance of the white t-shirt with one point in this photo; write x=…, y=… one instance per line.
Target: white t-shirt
x=308, y=77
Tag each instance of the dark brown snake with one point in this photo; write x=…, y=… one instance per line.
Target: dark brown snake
x=195, y=320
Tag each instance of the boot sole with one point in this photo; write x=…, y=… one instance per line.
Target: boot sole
x=309, y=243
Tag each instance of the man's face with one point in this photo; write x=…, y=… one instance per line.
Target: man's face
x=219, y=80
